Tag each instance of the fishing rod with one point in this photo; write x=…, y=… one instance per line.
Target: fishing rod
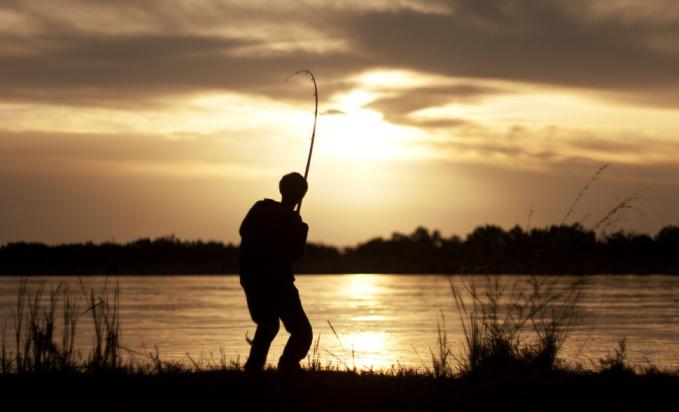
x=313, y=132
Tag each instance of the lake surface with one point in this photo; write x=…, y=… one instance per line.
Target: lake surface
x=384, y=320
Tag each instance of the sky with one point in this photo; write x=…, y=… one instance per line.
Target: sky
x=127, y=119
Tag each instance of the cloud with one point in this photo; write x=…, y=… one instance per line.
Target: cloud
x=546, y=148
x=333, y=112
x=116, y=71
x=85, y=53
x=540, y=42
x=109, y=154
x=399, y=105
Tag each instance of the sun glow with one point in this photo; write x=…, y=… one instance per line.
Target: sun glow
x=355, y=132
x=360, y=135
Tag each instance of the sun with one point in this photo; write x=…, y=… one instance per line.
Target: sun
x=354, y=131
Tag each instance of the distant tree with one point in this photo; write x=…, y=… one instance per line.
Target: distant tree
x=487, y=249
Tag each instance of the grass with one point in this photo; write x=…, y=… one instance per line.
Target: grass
x=38, y=349
x=515, y=325
x=332, y=390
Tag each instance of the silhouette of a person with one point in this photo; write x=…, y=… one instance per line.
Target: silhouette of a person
x=273, y=236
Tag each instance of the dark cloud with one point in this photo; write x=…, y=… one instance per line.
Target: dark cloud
x=596, y=144
x=447, y=123
x=534, y=41
x=547, y=147
x=551, y=41
x=123, y=70
x=398, y=107
x=145, y=51
x=489, y=149
x=333, y=112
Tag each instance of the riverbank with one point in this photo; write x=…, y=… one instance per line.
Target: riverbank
x=338, y=391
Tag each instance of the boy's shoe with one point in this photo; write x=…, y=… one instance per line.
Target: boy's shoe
x=290, y=368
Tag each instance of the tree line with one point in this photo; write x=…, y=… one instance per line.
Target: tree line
x=557, y=249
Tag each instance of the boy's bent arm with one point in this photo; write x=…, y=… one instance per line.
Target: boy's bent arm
x=301, y=232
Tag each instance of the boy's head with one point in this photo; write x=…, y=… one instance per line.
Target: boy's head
x=293, y=187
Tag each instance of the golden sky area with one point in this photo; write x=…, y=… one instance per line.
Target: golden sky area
x=129, y=119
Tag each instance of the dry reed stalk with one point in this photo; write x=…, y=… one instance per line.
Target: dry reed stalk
x=615, y=214
x=581, y=193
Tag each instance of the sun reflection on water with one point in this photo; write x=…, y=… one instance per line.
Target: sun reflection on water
x=367, y=349
x=361, y=286
x=361, y=341
x=366, y=341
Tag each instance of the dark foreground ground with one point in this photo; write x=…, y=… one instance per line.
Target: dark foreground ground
x=336, y=391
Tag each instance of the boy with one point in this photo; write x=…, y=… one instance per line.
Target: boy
x=273, y=236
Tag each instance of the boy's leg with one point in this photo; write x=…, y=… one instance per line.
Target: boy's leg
x=297, y=324
x=261, y=343
x=263, y=311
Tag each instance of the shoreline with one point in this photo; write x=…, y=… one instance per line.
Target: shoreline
x=232, y=389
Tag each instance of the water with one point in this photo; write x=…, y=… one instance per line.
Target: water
x=381, y=320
